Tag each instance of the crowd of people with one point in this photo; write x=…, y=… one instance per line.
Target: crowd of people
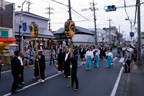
x=67, y=60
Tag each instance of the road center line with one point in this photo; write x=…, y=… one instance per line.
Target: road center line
x=118, y=80
x=33, y=84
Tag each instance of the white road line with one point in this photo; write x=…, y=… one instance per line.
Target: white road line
x=121, y=60
x=117, y=83
x=33, y=84
x=6, y=71
x=118, y=80
x=114, y=59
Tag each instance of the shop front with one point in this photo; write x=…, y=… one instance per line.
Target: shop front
x=6, y=46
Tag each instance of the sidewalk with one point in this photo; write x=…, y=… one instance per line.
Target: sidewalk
x=135, y=81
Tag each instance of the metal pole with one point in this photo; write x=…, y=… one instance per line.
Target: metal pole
x=109, y=30
x=95, y=23
x=19, y=38
x=119, y=34
x=70, y=17
x=139, y=33
x=21, y=23
x=131, y=31
x=49, y=18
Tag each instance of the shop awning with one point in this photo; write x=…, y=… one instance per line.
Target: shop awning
x=7, y=39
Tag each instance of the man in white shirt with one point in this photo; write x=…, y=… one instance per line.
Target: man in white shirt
x=89, y=56
x=22, y=68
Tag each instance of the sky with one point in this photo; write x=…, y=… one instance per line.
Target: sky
x=61, y=13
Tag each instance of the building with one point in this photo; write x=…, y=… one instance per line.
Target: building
x=82, y=36
x=6, y=31
x=101, y=35
x=112, y=34
x=45, y=35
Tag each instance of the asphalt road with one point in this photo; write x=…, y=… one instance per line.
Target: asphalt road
x=100, y=81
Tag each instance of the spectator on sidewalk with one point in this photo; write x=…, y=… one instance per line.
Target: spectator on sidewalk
x=16, y=71
x=22, y=69
x=1, y=60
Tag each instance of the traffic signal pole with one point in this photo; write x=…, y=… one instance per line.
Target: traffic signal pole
x=139, y=33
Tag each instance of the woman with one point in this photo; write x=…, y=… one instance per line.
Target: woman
x=109, y=56
x=96, y=59
x=89, y=55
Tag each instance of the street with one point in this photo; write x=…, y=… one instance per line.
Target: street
x=96, y=82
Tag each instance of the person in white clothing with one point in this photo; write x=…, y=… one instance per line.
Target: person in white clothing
x=96, y=58
x=109, y=56
x=89, y=56
x=22, y=68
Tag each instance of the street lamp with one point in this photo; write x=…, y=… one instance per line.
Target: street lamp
x=127, y=19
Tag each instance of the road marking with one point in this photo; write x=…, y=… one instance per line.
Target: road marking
x=114, y=59
x=6, y=71
x=117, y=83
x=121, y=60
x=118, y=80
x=33, y=84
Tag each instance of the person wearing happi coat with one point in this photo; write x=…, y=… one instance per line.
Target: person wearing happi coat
x=89, y=56
x=109, y=56
x=67, y=64
x=40, y=59
x=73, y=60
x=96, y=59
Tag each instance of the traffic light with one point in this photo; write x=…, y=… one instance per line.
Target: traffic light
x=110, y=8
x=103, y=28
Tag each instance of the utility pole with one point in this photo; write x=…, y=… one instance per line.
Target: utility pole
x=49, y=13
x=29, y=4
x=94, y=13
x=119, y=34
x=94, y=9
x=139, y=32
x=109, y=30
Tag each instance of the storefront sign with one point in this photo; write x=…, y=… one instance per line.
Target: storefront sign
x=3, y=33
